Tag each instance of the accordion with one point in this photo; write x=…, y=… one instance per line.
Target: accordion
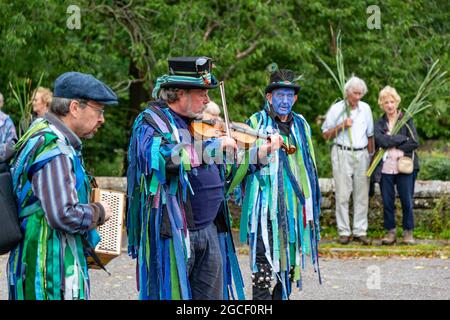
x=111, y=231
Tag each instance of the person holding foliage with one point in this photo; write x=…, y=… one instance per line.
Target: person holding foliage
x=350, y=157
x=403, y=143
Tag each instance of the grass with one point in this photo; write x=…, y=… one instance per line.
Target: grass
x=430, y=244
x=428, y=250
x=336, y=250
x=330, y=233
x=328, y=247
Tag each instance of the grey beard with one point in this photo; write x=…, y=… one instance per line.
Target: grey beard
x=90, y=135
x=196, y=116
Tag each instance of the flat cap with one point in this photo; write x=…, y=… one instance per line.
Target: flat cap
x=77, y=85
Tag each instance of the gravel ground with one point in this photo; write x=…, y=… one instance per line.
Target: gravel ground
x=393, y=278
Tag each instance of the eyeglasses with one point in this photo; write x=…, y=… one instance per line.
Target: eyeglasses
x=100, y=112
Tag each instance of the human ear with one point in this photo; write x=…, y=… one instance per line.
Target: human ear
x=74, y=108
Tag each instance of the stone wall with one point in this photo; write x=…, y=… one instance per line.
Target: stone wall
x=431, y=205
x=431, y=202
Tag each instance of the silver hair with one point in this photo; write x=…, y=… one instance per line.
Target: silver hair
x=212, y=108
x=355, y=82
x=61, y=106
x=169, y=95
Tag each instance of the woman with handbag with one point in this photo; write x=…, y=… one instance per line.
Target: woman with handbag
x=398, y=166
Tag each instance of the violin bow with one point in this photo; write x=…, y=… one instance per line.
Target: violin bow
x=225, y=110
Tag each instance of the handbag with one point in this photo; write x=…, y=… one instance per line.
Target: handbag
x=10, y=234
x=405, y=164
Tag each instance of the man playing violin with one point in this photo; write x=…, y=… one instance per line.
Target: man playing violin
x=281, y=202
x=178, y=219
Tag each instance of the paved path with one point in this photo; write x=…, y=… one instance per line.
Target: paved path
x=364, y=278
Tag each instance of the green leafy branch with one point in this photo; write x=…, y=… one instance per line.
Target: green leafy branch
x=23, y=94
x=340, y=78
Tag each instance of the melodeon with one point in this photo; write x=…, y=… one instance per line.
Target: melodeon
x=111, y=231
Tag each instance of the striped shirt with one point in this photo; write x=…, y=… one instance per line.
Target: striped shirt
x=54, y=186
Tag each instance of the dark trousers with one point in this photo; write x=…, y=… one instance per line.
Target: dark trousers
x=264, y=293
x=205, y=264
x=405, y=187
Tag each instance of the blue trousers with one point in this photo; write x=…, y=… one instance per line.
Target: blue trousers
x=405, y=187
x=205, y=264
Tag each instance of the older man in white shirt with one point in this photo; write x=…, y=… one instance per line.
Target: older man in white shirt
x=352, y=133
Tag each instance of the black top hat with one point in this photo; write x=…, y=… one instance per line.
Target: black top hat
x=196, y=70
x=282, y=78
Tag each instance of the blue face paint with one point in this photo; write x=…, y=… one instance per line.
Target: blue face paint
x=283, y=100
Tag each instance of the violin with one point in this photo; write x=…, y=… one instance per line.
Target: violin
x=242, y=133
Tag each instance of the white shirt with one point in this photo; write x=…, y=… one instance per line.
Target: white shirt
x=362, y=126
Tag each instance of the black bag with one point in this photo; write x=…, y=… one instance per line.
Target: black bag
x=10, y=234
x=4, y=167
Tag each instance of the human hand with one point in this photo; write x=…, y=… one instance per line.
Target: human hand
x=275, y=143
x=347, y=123
x=269, y=147
x=227, y=143
x=108, y=211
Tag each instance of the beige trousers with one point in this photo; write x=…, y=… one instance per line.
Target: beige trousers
x=349, y=172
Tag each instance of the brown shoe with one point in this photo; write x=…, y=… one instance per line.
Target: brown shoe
x=408, y=237
x=362, y=239
x=389, y=238
x=344, y=239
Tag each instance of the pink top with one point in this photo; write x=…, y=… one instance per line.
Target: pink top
x=390, y=160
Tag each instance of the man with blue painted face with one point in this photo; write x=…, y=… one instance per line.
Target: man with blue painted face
x=281, y=202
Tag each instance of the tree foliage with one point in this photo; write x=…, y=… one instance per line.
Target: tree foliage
x=127, y=43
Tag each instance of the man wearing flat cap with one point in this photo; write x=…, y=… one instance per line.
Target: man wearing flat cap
x=281, y=202
x=178, y=219
x=52, y=189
